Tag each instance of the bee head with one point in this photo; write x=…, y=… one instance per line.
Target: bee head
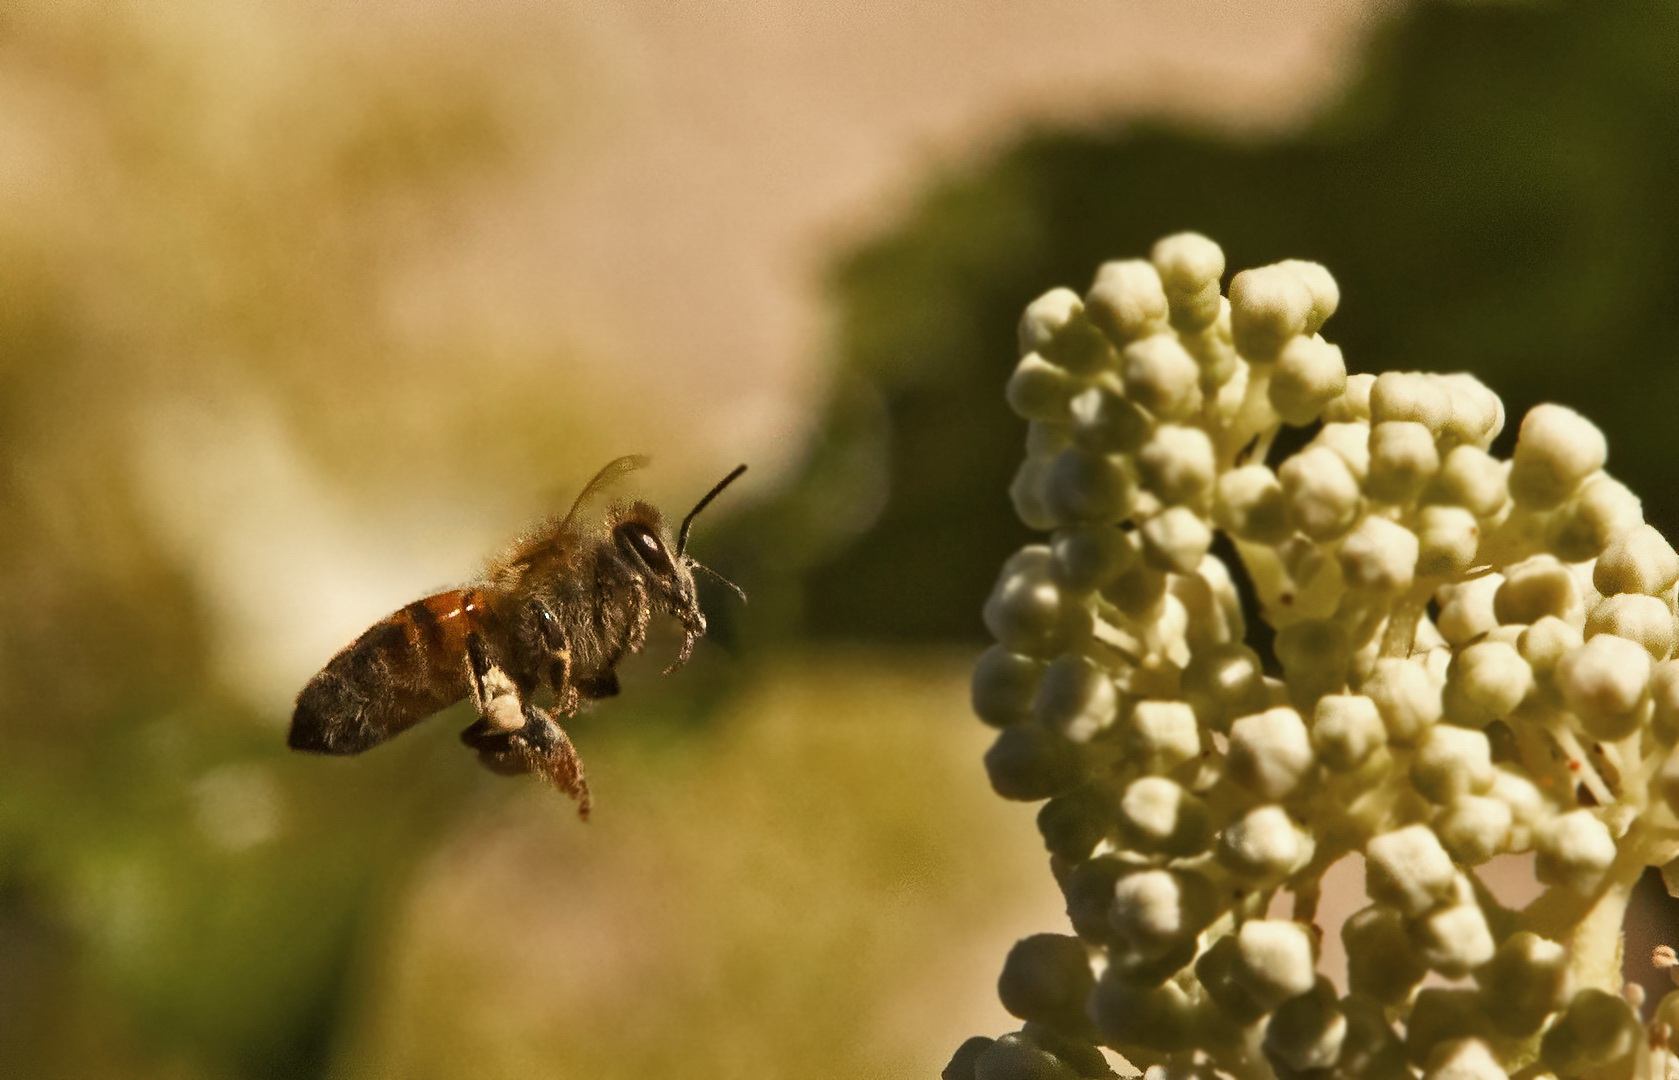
x=640, y=536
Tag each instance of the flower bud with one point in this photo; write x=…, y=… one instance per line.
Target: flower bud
x=1379, y=557
x=1411, y=395
x=1223, y=682
x=1004, y=685
x=1270, y=753
x=1556, y=450
x=1604, y=682
x=1473, y=479
x=1463, y=1059
x=1452, y=762
x=1406, y=696
x=1448, y=538
x=1264, y=845
x=1454, y=939
x=1354, y=402
x=1269, y=306
x=1080, y=487
x=1073, y=823
x=1477, y=413
x=1127, y=301
x=1441, y=1015
x=1028, y=764
x=1249, y=504
x=1177, y=464
x=1323, y=497
x=1040, y=390
x=1046, y=318
x=1346, y=730
x=1603, y=512
x=1646, y=620
x=1535, y=588
x=1091, y=556
x=1308, y=1032
x=1047, y=978
x=1486, y=682
x=1402, y=460
x=1158, y=1018
x=1156, y=910
x=1027, y=613
x=1467, y=608
x=1408, y=869
x=1014, y=1057
x=1176, y=540
x=1310, y=373
x=1642, y=561
x=1104, y=422
x=1190, y=266
x=1474, y=828
x=1382, y=960
x=1526, y=981
x=1597, y=1030
x=1314, y=654
x=1162, y=735
x=1076, y=699
x=1160, y=817
x=1162, y=377
x=1351, y=442
x=1574, y=851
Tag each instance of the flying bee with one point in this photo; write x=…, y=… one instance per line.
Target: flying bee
x=558, y=611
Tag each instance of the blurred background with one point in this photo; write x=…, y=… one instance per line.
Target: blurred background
x=305, y=308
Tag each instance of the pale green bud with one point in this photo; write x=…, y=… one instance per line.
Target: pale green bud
x=1411, y=395
x=1249, y=504
x=1323, y=496
x=1601, y=513
x=1402, y=460
x=1354, y=402
x=1040, y=390
x=1127, y=301
x=1310, y=373
x=1603, y=683
x=1089, y=557
x=1448, y=538
x=1346, y=730
x=1452, y=762
x=1382, y=960
x=1406, y=695
x=1642, y=561
x=1307, y=1033
x=1269, y=307
x=1473, y=479
x=1190, y=266
x=1264, y=844
x=1597, y=1030
x=1080, y=487
x=1156, y=910
x=1004, y=685
x=1028, y=613
x=1474, y=828
x=1556, y=450
x=1270, y=753
x=1574, y=851
x=1176, y=540
x=1379, y=557
x=1076, y=699
x=1162, y=377
x=1485, y=682
x=1223, y=682
x=1408, y=869
x=1526, y=981
x=1535, y=588
x=1160, y=817
x=1177, y=464
x=1463, y=1059
x=1162, y=735
x=1636, y=617
x=1454, y=939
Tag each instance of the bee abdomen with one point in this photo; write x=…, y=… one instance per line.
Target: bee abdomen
x=404, y=668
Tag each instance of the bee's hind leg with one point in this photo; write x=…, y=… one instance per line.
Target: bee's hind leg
x=548, y=750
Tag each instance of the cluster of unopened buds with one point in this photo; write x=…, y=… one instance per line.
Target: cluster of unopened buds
x=1470, y=660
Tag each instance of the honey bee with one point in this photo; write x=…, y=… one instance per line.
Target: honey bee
x=558, y=611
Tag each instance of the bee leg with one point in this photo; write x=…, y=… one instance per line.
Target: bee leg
x=604, y=685
x=497, y=751
x=559, y=660
x=643, y=608
x=548, y=750
x=494, y=692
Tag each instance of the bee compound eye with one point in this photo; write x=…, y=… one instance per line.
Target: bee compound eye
x=645, y=543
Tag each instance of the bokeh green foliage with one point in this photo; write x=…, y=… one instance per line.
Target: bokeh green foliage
x=1494, y=193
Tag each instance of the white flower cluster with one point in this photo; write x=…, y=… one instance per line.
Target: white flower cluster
x=1471, y=659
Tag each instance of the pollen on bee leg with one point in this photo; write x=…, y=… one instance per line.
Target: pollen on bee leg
x=499, y=701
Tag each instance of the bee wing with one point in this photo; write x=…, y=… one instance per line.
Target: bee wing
x=406, y=667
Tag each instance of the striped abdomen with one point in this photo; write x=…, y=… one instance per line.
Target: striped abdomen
x=407, y=666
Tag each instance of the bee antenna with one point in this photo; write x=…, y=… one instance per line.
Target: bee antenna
x=740, y=592
x=687, y=522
